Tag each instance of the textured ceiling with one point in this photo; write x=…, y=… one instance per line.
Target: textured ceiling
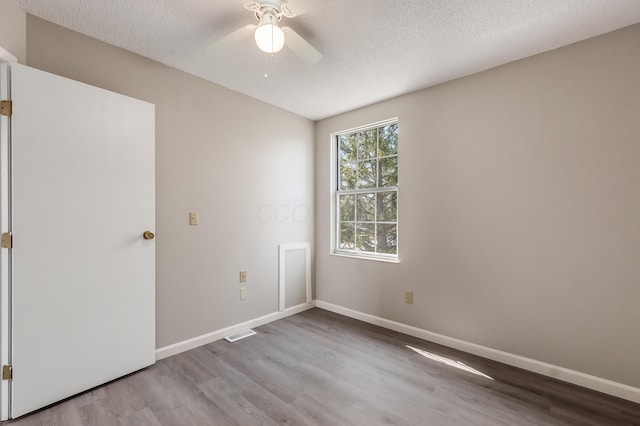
x=373, y=49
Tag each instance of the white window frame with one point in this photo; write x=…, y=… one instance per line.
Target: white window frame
x=335, y=193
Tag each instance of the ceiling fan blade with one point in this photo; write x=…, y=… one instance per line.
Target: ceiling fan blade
x=251, y=6
x=298, y=7
x=300, y=46
x=231, y=39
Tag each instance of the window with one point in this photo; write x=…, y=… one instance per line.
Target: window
x=367, y=191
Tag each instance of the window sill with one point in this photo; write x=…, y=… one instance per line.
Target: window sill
x=364, y=257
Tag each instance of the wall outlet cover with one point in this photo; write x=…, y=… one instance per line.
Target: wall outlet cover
x=193, y=218
x=408, y=297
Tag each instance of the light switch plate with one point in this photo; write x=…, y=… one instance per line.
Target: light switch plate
x=243, y=276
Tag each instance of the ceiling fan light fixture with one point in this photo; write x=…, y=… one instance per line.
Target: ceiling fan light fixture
x=269, y=36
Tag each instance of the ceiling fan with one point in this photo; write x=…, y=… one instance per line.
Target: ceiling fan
x=268, y=34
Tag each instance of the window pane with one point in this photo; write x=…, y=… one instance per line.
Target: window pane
x=388, y=140
x=387, y=206
x=347, y=236
x=348, y=207
x=347, y=145
x=348, y=175
x=386, y=239
x=365, y=237
x=366, y=207
x=388, y=171
x=367, y=174
x=367, y=144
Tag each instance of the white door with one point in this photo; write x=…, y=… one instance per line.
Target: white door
x=82, y=277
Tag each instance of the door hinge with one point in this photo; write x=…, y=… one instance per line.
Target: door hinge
x=7, y=240
x=6, y=108
x=7, y=372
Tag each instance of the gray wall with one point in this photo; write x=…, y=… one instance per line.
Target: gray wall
x=13, y=32
x=229, y=157
x=519, y=209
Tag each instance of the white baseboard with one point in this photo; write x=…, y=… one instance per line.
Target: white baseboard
x=599, y=384
x=197, y=341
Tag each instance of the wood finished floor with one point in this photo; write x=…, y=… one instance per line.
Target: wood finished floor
x=319, y=368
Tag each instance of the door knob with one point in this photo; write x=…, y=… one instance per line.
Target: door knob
x=148, y=235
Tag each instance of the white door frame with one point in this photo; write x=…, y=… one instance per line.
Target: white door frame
x=5, y=226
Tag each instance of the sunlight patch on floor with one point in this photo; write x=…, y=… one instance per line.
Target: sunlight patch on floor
x=448, y=361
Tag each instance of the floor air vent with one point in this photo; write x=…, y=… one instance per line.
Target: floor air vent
x=241, y=335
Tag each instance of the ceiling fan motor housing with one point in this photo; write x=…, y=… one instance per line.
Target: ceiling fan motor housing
x=274, y=4
x=268, y=17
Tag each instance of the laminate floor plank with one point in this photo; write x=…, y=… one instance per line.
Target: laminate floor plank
x=98, y=414
x=144, y=417
x=320, y=368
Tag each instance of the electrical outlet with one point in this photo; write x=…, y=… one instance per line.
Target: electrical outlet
x=243, y=276
x=193, y=218
x=243, y=293
x=408, y=297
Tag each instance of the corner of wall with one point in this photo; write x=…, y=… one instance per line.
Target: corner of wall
x=13, y=31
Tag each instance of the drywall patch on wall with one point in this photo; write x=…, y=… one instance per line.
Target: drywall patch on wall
x=282, y=272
